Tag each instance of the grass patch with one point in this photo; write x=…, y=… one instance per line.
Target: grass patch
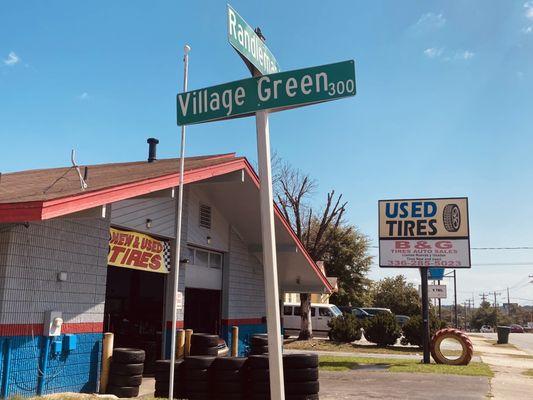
x=528, y=372
x=331, y=363
x=328, y=345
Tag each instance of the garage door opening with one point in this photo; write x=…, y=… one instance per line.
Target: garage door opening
x=134, y=310
x=202, y=310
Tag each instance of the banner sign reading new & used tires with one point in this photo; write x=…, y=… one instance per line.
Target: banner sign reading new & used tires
x=424, y=233
x=137, y=251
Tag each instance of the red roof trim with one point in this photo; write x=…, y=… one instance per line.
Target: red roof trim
x=37, y=211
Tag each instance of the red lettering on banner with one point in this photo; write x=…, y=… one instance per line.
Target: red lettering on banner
x=155, y=262
x=401, y=244
x=444, y=244
x=115, y=251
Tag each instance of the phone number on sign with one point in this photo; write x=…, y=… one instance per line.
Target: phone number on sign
x=425, y=263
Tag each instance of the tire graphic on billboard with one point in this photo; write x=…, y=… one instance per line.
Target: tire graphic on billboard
x=451, y=217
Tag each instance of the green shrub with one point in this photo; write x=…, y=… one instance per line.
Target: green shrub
x=412, y=330
x=344, y=328
x=382, y=329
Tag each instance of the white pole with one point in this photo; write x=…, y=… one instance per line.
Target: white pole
x=270, y=266
x=177, y=244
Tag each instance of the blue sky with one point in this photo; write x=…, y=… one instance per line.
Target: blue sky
x=444, y=103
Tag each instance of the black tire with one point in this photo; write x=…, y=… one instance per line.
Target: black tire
x=204, y=340
x=198, y=362
x=300, y=375
x=303, y=388
x=231, y=396
x=123, y=391
x=254, y=352
x=259, y=375
x=165, y=375
x=229, y=387
x=451, y=217
x=226, y=375
x=302, y=397
x=196, y=387
x=206, y=351
x=125, y=380
x=295, y=361
x=161, y=386
x=260, y=387
x=262, y=349
x=163, y=395
x=229, y=363
x=194, y=375
x=260, y=396
x=257, y=362
x=258, y=340
x=126, y=369
x=125, y=355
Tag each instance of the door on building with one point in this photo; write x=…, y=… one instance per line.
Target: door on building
x=202, y=310
x=134, y=310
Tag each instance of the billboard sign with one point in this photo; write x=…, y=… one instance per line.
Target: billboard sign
x=435, y=291
x=417, y=233
x=247, y=43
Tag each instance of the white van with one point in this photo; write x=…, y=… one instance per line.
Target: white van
x=320, y=316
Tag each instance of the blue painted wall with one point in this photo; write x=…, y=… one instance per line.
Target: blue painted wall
x=75, y=371
x=245, y=332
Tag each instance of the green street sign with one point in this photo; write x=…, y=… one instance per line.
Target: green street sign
x=269, y=92
x=243, y=38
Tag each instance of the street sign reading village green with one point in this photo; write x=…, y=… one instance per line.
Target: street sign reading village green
x=244, y=39
x=269, y=92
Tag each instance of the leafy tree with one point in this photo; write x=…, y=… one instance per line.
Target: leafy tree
x=487, y=315
x=412, y=330
x=345, y=328
x=396, y=294
x=325, y=235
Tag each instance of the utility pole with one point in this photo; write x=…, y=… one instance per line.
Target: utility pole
x=483, y=297
x=495, y=301
x=455, y=296
x=440, y=307
x=467, y=302
x=508, y=302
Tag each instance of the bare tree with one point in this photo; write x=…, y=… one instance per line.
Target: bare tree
x=314, y=229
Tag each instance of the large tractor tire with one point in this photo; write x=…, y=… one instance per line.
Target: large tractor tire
x=455, y=334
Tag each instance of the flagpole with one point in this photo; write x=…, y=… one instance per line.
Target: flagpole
x=177, y=244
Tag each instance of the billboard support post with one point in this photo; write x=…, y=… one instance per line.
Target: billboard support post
x=455, y=297
x=425, y=314
x=440, y=306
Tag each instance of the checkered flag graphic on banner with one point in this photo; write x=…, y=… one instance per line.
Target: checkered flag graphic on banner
x=166, y=255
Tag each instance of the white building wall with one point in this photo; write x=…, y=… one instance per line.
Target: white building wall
x=244, y=293
x=133, y=213
x=33, y=257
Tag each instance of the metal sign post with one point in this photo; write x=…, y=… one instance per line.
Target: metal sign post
x=177, y=243
x=425, y=314
x=270, y=266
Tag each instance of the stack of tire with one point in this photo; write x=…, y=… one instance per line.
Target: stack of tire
x=126, y=372
x=300, y=373
x=258, y=344
x=229, y=378
x=203, y=344
x=258, y=378
x=162, y=376
x=197, y=377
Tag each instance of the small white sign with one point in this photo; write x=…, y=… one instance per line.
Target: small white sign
x=179, y=301
x=435, y=291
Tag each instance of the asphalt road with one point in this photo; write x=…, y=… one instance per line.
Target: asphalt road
x=524, y=341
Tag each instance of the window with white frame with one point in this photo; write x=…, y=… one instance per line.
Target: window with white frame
x=205, y=258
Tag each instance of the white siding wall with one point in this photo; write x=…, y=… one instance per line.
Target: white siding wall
x=133, y=214
x=244, y=294
x=31, y=260
x=219, y=226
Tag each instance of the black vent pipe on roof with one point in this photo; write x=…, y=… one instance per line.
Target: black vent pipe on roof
x=152, y=149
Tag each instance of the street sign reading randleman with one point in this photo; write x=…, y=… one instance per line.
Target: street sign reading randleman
x=424, y=233
x=269, y=92
x=243, y=38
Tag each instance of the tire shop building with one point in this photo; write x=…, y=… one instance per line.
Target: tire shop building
x=86, y=250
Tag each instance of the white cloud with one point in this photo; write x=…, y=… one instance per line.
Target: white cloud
x=433, y=52
x=464, y=55
x=12, y=59
x=527, y=29
x=431, y=20
x=528, y=5
x=83, y=96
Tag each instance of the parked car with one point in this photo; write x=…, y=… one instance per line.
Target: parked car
x=402, y=319
x=515, y=328
x=346, y=309
x=321, y=314
x=360, y=313
x=376, y=310
x=486, y=329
